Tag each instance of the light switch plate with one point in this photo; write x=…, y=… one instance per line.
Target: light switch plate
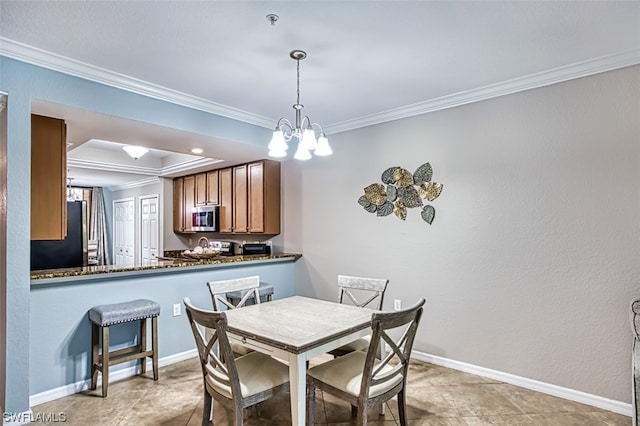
x=176, y=309
x=397, y=304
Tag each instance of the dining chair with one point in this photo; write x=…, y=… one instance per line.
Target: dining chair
x=362, y=292
x=362, y=379
x=236, y=383
x=219, y=290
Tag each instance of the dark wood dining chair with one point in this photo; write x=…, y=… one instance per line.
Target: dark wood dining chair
x=363, y=380
x=236, y=383
x=362, y=292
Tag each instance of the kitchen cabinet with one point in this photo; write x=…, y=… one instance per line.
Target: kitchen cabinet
x=264, y=197
x=250, y=198
x=212, y=187
x=183, y=203
x=48, y=178
x=225, y=179
x=206, y=185
x=239, y=204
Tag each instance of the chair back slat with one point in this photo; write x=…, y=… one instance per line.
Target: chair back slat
x=218, y=369
x=377, y=372
x=370, y=288
x=219, y=289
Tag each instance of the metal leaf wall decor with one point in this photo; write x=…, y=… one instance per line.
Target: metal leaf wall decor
x=403, y=190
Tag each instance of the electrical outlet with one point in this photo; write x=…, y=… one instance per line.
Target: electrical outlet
x=176, y=309
x=397, y=304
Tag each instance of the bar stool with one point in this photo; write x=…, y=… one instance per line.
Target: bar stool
x=104, y=316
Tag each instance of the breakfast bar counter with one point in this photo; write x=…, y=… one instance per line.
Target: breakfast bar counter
x=165, y=266
x=60, y=332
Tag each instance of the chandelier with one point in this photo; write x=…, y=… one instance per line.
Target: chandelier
x=304, y=129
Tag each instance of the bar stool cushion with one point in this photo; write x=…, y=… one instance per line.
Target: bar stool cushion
x=105, y=315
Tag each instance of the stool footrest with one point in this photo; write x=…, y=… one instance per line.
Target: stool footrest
x=124, y=355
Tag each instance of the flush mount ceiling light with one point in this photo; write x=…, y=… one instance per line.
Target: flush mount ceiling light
x=196, y=150
x=303, y=130
x=135, y=152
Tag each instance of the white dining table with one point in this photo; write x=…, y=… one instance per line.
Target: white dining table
x=297, y=329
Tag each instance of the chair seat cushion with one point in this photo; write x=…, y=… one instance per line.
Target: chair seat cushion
x=357, y=345
x=257, y=372
x=115, y=313
x=345, y=373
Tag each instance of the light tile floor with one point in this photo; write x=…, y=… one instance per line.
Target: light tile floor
x=436, y=396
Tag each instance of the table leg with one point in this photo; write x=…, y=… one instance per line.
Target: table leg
x=298, y=388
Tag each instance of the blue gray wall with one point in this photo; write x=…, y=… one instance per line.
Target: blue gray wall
x=24, y=82
x=61, y=333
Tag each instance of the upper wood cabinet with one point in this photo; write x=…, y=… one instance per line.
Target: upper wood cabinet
x=212, y=188
x=207, y=188
x=264, y=197
x=189, y=199
x=183, y=203
x=225, y=178
x=248, y=196
x=48, y=178
x=240, y=204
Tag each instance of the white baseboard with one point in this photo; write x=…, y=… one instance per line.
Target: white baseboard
x=52, y=394
x=547, y=388
x=16, y=419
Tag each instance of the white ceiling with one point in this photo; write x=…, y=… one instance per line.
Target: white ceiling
x=368, y=61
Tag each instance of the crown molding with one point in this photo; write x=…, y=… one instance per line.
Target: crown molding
x=185, y=166
x=532, y=81
x=42, y=58
x=135, y=184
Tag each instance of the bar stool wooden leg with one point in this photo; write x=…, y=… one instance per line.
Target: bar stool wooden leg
x=154, y=345
x=105, y=360
x=95, y=354
x=142, y=346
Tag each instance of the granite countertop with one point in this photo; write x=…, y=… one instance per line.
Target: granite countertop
x=162, y=264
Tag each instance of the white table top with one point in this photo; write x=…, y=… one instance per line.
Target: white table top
x=297, y=324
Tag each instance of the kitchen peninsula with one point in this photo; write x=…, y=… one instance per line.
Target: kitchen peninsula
x=60, y=299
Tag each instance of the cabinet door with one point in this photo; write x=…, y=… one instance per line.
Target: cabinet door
x=178, y=205
x=256, y=197
x=212, y=187
x=225, y=177
x=201, y=189
x=240, y=202
x=48, y=178
x=189, y=198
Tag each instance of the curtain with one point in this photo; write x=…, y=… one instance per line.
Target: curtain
x=98, y=230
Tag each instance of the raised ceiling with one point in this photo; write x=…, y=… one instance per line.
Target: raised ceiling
x=368, y=61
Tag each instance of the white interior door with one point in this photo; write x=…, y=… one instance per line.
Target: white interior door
x=124, y=232
x=149, y=230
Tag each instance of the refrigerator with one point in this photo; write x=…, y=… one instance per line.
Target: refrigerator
x=68, y=253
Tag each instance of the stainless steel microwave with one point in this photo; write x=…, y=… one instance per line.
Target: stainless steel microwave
x=205, y=219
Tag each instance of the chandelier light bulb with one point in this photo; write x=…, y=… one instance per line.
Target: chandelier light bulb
x=323, y=146
x=309, y=139
x=302, y=152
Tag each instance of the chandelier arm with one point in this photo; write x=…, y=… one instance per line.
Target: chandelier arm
x=286, y=128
